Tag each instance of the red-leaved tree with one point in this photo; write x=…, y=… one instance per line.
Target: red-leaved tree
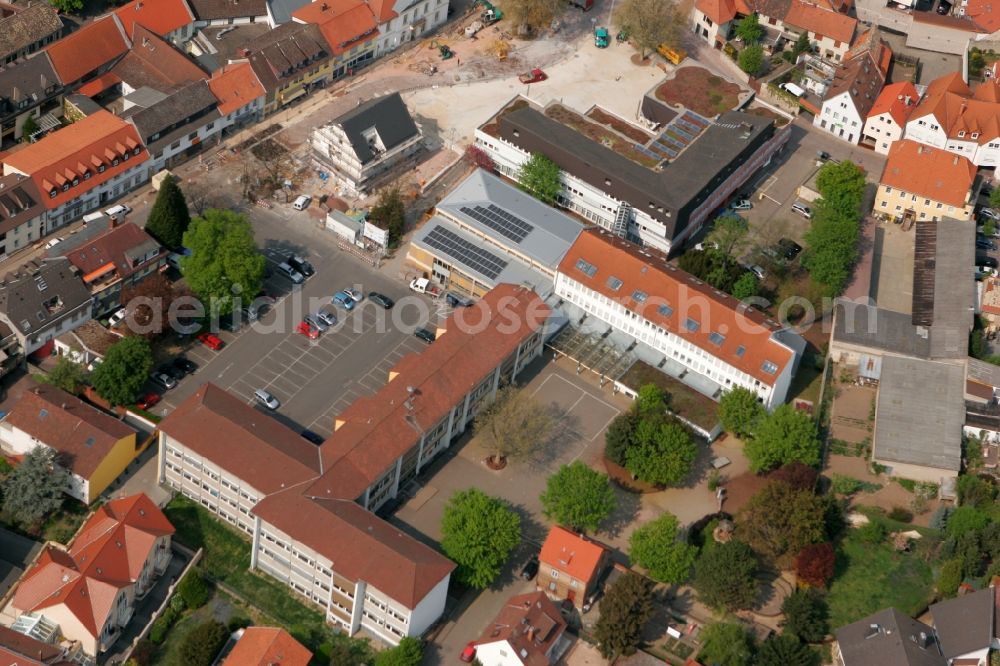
x=478, y=157
x=798, y=475
x=814, y=564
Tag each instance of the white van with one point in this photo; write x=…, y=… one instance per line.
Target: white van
x=302, y=202
x=119, y=211
x=793, y=89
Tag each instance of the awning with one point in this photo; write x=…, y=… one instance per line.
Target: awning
x=285, y=99
x=99, y=273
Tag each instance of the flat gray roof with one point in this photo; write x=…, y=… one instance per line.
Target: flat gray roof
x=921, y=410
x=954, y=288
x=877, y=328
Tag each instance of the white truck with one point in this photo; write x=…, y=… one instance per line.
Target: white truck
x=424, y=286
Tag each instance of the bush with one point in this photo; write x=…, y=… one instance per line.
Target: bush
x=939, y=519
x=194, y=590
x=908, y=484
x=966, y=519
x=844, y=485
x=950, y=578
x=177, y=604
x=158, y=632
x=201, y=646
x=900, y=514
x=873, y=532
x=142, y=655
x=238, y=622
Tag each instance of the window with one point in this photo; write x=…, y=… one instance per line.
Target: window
x=614, y=284
x=114, y=162
x=665, y=310
x=640, y=295
x=888, y=189
x=769, y=368
x=101, y=168
x=740, y=351
x=716, y=338
x=586, y=268
x=692, y=325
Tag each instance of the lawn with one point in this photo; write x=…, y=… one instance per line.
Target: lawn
x=701, y=91
x=871, y=577
x=227, y=559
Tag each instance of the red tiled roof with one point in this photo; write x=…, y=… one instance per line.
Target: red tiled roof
x=720, y=11
x=747, y=344
x=384, y=10
x=571, y=554
x=531, y=624
x=343, y=23
x=82, y=434
x=100, y=84
x=267, y=646
x=16, y=649
x=983, y=14
x=862, y=73
x=74, y=151
x=898, y=100
x=153, y=61
x=111, y=251
x=88, y=48
x=161, y=16
x=235, y=86
x=823, y=22
x=932, y=173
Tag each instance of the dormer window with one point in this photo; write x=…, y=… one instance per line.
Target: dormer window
x=961, y=134
x=101, y=168
x=974, y=135
x=65, y=187
x=126, y=155
x=76, y=181
x=52, y=193
x=135, y=151
x=86, y=174
x=115, y=162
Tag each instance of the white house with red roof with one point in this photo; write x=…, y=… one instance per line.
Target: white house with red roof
x=887, y=118
x=528, y=631
x=857, y=83
x=90, y=587
x=696, y=329
x=953, y=117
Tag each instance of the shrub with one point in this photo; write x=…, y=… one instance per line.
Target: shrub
x=950, y=578
x=939, y=519
x=908, y=484
x=177, y=604
x=158, y=632
x=194, y=590
x=238, y=622
x=900, y=514
x=142, y=655
x=844, y=485
x=873, y=532
x=814, y=564
x=201, y=646
x=966, y=519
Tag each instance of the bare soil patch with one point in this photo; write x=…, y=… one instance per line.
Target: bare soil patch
x=600, y=134
x=619, y=125
x=699, y=90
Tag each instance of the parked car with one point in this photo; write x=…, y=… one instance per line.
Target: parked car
x=264, y=397
x=317, y=323
x=183, y=365
x=301, y=265
x=986, y=244
x=307, y=329
x=313, y=437
x=230, y=323
x=988, y=262
x=162, y=380
x=425, y=335
x=169, y=370
x=469, y=653
x=356, y=294
x=457, y=300
x=534, y=76
x=741, y=204
x=530, y=569
x=343, y=300
x=327, y=317
x=823, y=155
x=990, y=213
x=116, y=318
x=758, y=271
x=148, y=400
x=52, y=243
x=302, y=202
x=290, y=273
x=789, y=248
x=209, y=340
x=381, y=299
x=119, y=211
x=802, y=210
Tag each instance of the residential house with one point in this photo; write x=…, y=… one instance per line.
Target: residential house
x=966, y=627
x=486, y=232
x=528, y=631
x=18, y=649
x=266, y=646
x=42, y=300
x=240, y=95
x=86, y=343
x=360, y=147
x=114, y=262
x=887, y=637
x=82, y=166
x=228, y=12
x=25, y=29
x=349, y=28
x=924, y=183
x=22, y=215
x=90, y=588
x=88, y=52
x=94, y=447
x=660, y=206
x=691, y=326
x=28, y=87
x=171, y=19
x=887, y=118
x=857, y=83
x=289, y=61
x=570, y=566
x=953, y=118
x=402, y=21
x=309, y=510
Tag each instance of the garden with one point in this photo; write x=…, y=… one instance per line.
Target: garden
x=700, y=91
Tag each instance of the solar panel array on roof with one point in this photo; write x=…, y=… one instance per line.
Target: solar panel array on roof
x=509, y=226
x=463, y=251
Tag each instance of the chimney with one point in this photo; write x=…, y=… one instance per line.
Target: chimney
x=112, y=221
x=531, y=634
x=909, y=100
x=954, y=160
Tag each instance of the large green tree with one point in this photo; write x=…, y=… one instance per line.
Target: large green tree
x=169, y=218
x=779, y=521
x=650, y=23
x=724, y=576
x=842, y=185
x=656, y=547
x=726, y=644
x=515, y=425
x=749, y=29
x=806, y=615
x=389, y=213
x=478, y=533
x=202, y=645
x=224, y=259
x=785, y=435
x=730, y=233
x=409, y=652
x=578, y=497
x=832, y=239
x=125, y=369
x=625, y=609
x=618, y=436
x=541, y=178
x=739, y=411
x=785, y=650
x=751, y=59
x=35, y=489
x=66, y=375
x=662, y=452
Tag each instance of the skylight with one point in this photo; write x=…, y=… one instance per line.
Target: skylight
x=716, y=338
x=665, y=310
x=740, y=351
x=614, y=284
x=586, y=267
x=640, y=295
x=692, y=325
x=769, y=368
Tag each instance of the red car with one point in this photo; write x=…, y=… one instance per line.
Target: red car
x=534, y=76
x=307, y=329
x=469, y=653
x=210, y=341
x=147, y=401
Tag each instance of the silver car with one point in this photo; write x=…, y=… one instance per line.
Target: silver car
x=163, y=380
x=355, y=294
x=314, y=320
x=327, y=317
x=265, y=398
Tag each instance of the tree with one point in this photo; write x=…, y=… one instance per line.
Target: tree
x=625, y=609
x=966, y=519
x=478, y=533
x=541, y=178
x=224, y=259
x=726, y=644
x=529, y=15
x=66, y=375
x=784, y=650
x=802, y=44
x=478, y=157
x=785, y=435
x=35, y=488
x=995, y=197
x=740, y=411
x=724, y=576
x=169, y=218
x=30, y=126
x=806, y=615
x=650, y=401
x=124, y=371
x=749, y=29
x=814, y=564
x=662, y=452
x=746, y=286
x=389, y=213
x=203, y=643
x=618, y=436
x=751, y=59
x=193, y=590
x=832, y=238
x=649, y=23
x=409, y=652
x=347, y=651
x=842, y=185
x=949, y=578
x=515, y=424
x=149, y=305
x=578, y=497
x=656, y=547
x=798, y=475
x=712, y=266
x=730, y=234
x=780, y=521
